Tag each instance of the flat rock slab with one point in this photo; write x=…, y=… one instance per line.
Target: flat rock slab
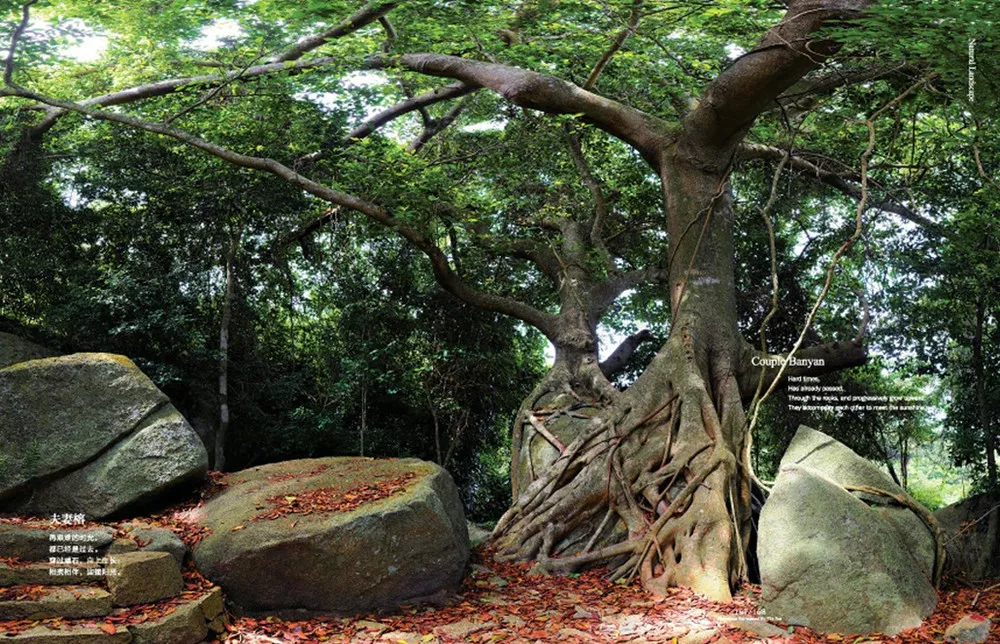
x=144, y=578
x=35, y=544
x=41, y=574
x=373, y=553
x=71, y=602
x=44, y=635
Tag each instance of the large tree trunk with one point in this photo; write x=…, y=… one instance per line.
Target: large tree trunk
x=653, y=480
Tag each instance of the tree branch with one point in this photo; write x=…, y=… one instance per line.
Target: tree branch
x=597, y=194
x=445, y=276
x=605, y=293
x=8, y=72
x=810, y=361
x=623, y=353
x=747, y=87
x=371, y=12
x=166, y=87
x=841, y=78
x=843, y=183
x=415, y=103
x=435, y=127
x=546, y=93
x=616, y=45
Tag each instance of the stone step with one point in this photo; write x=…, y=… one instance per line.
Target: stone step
x=38, y=544
x=189, y=622
x=45, y=574
x=70, y=602
x=44, y=635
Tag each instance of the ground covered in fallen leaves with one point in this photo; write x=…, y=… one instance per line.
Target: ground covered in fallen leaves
x=503, y=603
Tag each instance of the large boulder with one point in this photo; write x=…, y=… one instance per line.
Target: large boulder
x=972, y=534
x=334, y=535
x=14, y=350
x=838, y=462
x=836, y=560
x=89, y=433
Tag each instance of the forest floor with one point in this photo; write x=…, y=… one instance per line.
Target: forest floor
x=503, y=603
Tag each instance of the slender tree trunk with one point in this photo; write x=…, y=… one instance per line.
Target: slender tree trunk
x=984, y=412
x=227, y=313
x=364, y=413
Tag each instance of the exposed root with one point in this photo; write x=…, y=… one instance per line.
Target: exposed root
x=656, y=491
x=932, y=524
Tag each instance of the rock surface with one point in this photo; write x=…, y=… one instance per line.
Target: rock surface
x=155, y=539
x=144, y=578
x=45, y=635
x=816, y=450
x=972, y=532
x=33, y=544
x=186, y=625
x=409, y=546
x=14, y=350
x=831, y=562
x=89, y=433
x=971, y=629
x=71, y=602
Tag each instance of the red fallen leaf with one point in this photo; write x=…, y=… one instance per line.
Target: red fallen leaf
x=110, y=629
x=238, y=527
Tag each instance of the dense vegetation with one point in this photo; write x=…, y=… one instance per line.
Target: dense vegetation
x=150, y=216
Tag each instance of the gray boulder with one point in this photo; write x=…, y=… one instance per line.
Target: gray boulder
x=406, y=547
x=831, y=563
x=839, y=463
x=838, y=561
x=89, y=433
x=14, y=350
x=972, y=534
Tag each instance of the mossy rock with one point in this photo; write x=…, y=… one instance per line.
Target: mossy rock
x=407, y=547
x=89, y=433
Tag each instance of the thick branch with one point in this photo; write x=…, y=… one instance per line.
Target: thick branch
x=546, y=93
x=623, y=353
x=445, y=276
x=605, y=293
x=748, y=86
x=366, y=15
x=810, y=361
x=843, y=183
